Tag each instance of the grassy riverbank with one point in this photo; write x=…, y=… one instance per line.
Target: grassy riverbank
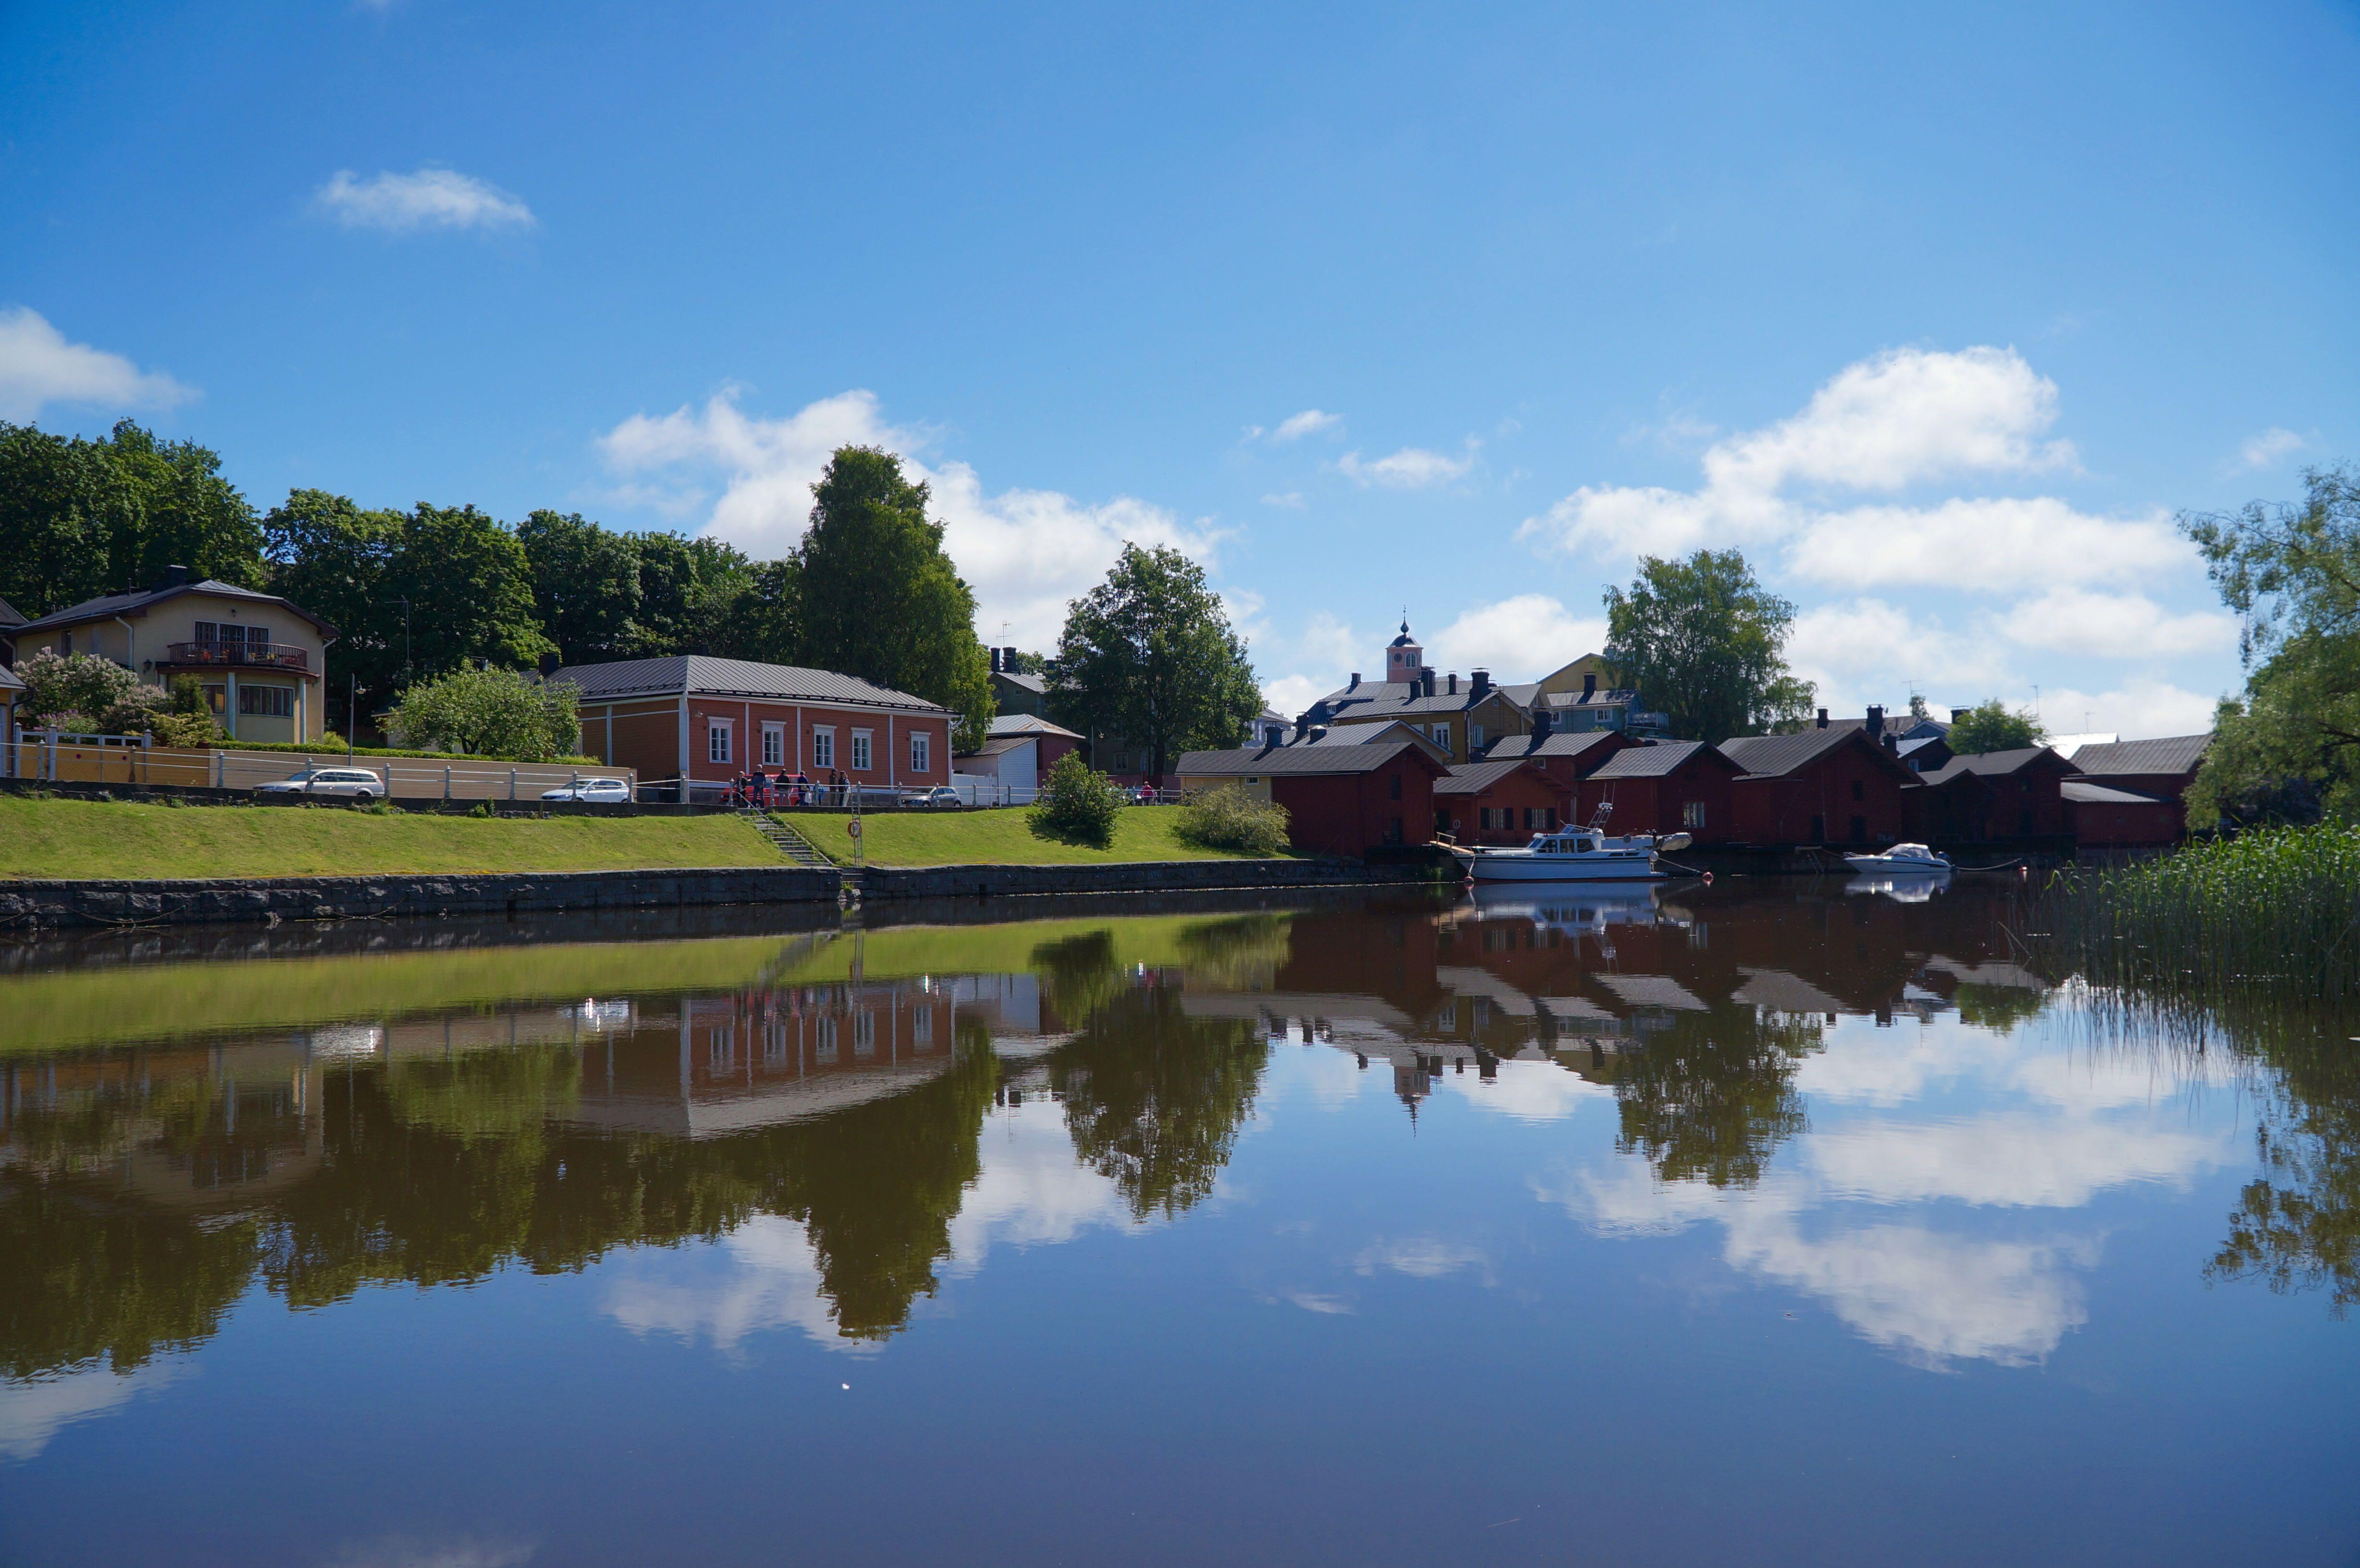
x=59, y=838
x=997, y=838
x=2275, y=911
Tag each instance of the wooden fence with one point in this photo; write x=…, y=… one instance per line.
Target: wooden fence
x=122, y=760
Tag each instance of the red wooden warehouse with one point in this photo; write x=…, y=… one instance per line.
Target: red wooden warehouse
x=1833, y=784
x=1340, y=800
x=1676, y=786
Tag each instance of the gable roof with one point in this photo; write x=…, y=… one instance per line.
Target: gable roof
x=1007, y=724
x=10, y=616
x=1559, y=743
x=999, y=745
x=1773, y=757
x=1360, y=712
x=2081, y=792
x=1036, y=684
x=2173, y=754
x=107, y=605
x=1995, y=763
x=9, y=681
x=698, y=675
x=1301, y=761
x=1474, y=778
x=1661, y=759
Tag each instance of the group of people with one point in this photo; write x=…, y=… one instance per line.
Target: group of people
x=783, y=789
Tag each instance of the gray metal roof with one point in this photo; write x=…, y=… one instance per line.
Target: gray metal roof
x=706, y=677
x=1371, y=691
x=999, y=745
x=109, y=604
x=1773, y=754
x=2081, y=792
x=10, y=616
x=2173, y=754
x=1027, y=724
x=1561, y=743
x=1658, y=760
x=1412, y=707
x=1474, y=778
x=1994, y=764
x=1297, y=760
x=1037, y=684
x=9, y=681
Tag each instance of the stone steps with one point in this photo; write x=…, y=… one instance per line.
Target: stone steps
x=790, y=843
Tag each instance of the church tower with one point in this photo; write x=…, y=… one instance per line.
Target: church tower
x=1404, y=658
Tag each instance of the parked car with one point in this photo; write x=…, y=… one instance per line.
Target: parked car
x=941, y=795
x=352, y=783
x=613, y=792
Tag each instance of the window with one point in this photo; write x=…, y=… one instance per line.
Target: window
x=1692, y=815
x=921, y=751
x=266, y=701
x=217, y=699
x=1498, y=818
x=716, y=740
x=1539, y=817
x=864, y=1033
x=860, y=739
x=1122, y=762
x=774, y=745
x=823, y=748
x=208, y=631
x=1442, y=739
x=825, y=1036
x=65, y=643
x=774, y=1045
x=1393, y=792
x=257, y=638
x=1474, y=737
x=1856, y=790
x=721, y=1048
x=921, y=1028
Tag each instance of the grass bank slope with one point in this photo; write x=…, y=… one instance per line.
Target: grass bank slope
x=100, y=839
x=997, y=838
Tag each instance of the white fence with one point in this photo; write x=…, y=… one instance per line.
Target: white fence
x=57, y=757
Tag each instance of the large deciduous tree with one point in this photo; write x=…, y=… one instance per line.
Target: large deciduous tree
x=1702, y=640
x=585, y=585
x=879, y=599
x=1990, y=726
x=1148, y=654
x=87, y=517
x=2293, y=573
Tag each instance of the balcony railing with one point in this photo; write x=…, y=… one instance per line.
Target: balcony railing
x=239, y=654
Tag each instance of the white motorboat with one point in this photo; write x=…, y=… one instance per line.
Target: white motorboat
x=1902, y=859
x=1570, y=855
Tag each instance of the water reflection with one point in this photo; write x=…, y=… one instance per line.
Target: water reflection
x=851, y=1118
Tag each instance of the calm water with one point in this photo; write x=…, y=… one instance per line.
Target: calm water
x=1776, y=1224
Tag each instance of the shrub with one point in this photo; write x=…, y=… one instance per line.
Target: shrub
x=186, y=718
x=1229, y=818
x=489, y=712
x=1077, y=805
x=83, y=693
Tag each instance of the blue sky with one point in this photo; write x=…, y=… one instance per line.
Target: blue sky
x=1939, y=314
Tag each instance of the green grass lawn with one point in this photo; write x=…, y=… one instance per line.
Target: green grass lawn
x=92, y=838
x=996, y=837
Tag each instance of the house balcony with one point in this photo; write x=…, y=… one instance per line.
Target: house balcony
x=232, y=654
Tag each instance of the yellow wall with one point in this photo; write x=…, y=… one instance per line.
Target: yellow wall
x=1569, y=678
x=1497, y=715
x=1256, y=785
x=144, y=645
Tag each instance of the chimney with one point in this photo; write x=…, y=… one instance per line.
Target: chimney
x=1588, y=687
x=1875, y=724
x=1823, y=718
x=1454, y=683
x=1302, y=725
x=1356, y=682
x=1008, y=659
x=1426, y=681
x=995, y=659
x=172, y=577
x=1958, y=716
x=1482, y=685
x=1542, y=720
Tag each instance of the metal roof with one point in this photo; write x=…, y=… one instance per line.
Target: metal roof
x=10, y=616
x=110, y=605
x=1773, y=754
x=705, y=677
x=1360, y=712
x=1036, y=684
x=9, y=681
x=1298, y=759
x=1561, y=743
x=1994, y=764
x=1656, y=761
x=2173, y=754
x=1474, y=778
x=1027, y=724
x=2081, y=792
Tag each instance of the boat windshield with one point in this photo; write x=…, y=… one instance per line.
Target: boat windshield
x=1911, y=851
x=1565, y=843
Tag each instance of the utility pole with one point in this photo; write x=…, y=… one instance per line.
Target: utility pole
x=352, y=710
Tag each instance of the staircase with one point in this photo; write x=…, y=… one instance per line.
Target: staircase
x=790, y=843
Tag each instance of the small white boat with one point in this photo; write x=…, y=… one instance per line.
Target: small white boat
x=1570, y=855
x=1902, y=859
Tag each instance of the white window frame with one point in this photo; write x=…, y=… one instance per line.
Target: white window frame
x=719, y=747
x=1442, y=739
x=864, y=750
x=774, y=744
x=1474, y=737
x=1692, y=814
x=921, y=751
x=823, y=746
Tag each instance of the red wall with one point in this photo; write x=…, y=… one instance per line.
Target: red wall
x=650, y=742
x=2096, y=823
x=1525, y=790
x=1350, y=813
x=1779, y=811
x=1654, y=805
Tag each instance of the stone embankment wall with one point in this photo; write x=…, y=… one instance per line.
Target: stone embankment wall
x=126, y=902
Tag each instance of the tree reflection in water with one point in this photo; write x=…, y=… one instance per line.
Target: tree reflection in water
x=1711, y=1093
x=2297, y=1224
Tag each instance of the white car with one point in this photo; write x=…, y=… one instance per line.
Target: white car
x=352, y=783
x=613, y=792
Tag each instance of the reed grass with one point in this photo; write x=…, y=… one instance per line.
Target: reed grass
x=2276, y=910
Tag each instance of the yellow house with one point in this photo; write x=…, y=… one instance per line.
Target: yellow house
x=1590, y=672
x=259, y=657
x=9, y=686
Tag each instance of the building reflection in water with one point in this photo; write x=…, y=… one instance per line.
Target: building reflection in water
x=844, y=1092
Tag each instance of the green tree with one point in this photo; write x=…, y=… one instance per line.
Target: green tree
x=335, y=560
x=2293, y=574
x=469, y=589
x=585, y=585
x=489, y=712
x=84, y=518
x=1149, y=654
x=880, y=600
x=1991, y=726
x=1712, y=1096
x=689, y=593
x=761, y=617
x=1701, y=639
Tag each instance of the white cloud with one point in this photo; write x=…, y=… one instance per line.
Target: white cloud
x=35, y=1410
x=38, y=366
x=1865, y=650
x=2009, y=1161
x=426, y=199
x=2117, y=625
x=1309, y=422
x=762, y=1275
x=1529, y=1091
x=1520, y=639
x=2136, y=710
x=1412, y=468
x=1291, y=499
x=1031, y=1191
x=1425, y=1257
x=1290, y=694
x=2269, y=448
x=1025, y=552
x=1904, y=419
